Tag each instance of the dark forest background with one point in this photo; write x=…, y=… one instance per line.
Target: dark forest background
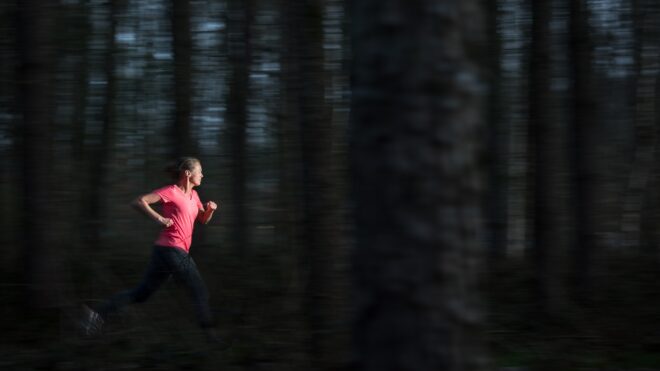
x=402, y=185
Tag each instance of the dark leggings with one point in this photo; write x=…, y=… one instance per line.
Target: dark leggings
x=165, y=262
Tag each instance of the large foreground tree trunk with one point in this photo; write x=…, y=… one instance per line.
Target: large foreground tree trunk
x=416, y=186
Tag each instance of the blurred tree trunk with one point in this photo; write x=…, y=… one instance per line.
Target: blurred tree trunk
x=239, y=21
x=498, y=143
x=416, y=178
x=546, y=188
x=651, y=228
x=9, y=152
x=635, y=209
x=290, y=218
x=184, y=145
x=320, y=211
x=35, y=107
x=81, y=24
x=240, y=16
x=101, y=154
x=304, y=37
x=582, y=126
x=80, y=27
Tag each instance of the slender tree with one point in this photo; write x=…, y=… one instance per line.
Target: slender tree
x=497, y=154
x=305, y=90
x=289, y=219
x=240, y=16
x=35, y=108
x=582, y=122
x=8, y=152
x=640, y=178
x=291, y=215
x=545, y=166
x=182, y=51
x=81, y=30
x=416, y=178
x=101, y=154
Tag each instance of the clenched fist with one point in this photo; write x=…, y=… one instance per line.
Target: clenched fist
x=165, y=221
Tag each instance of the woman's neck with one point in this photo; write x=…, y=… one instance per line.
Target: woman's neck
x=185, y=185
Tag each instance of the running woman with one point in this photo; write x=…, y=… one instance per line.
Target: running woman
x=181, y=207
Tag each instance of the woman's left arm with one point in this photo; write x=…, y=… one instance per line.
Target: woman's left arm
x=206, y=213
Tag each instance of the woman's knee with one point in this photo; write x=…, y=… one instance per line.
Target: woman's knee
x=141, y=294
x=200, y=294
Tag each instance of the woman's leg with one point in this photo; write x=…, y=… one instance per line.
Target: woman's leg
x=157, y=272
x=185, y=270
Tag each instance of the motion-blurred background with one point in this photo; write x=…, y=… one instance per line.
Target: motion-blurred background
x=416, y=185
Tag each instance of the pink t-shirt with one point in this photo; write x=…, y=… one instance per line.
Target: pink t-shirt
x=183, y=210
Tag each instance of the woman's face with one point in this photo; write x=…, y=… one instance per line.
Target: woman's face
x=196, y=175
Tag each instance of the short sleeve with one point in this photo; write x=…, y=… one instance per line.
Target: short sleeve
x=199, y=202
x=165, y=193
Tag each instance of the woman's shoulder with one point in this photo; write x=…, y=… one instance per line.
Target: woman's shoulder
x=165, y=188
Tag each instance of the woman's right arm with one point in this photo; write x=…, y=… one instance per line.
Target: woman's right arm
x=142, y=203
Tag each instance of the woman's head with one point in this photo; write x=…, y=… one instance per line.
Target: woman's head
x=186, y=167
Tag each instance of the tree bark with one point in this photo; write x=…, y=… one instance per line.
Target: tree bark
x=35, y=106
x=101, y=154
x=416, y=180
x=582, y=147
x=498, y=144
x=647, y=55
x=320, y=212
x=546, y=188
x=290, y=215
x=305, y=89
x=239, y=43
x=9, y=92
x=80, y=82
x=184, y=145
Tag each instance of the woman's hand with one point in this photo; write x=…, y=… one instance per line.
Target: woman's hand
x=165, y=221
x=211, y=206
x=205, y=215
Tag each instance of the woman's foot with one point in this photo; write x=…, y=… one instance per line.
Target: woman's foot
x=91, y=322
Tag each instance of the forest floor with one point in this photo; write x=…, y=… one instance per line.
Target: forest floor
x=617, y=328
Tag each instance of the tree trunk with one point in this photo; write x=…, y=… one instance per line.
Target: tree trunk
x=320, y=211
x=546, y=188
x=184, y=145
x=35, y=106
x=582, y=147
x=647, y=55
x=80, y=82
x=305, y=89
x=82, y=24
x=239, y=43
x=498, y=144
x=10, y=127
x=290, y=215
x=416, y=179
x=101, y=154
